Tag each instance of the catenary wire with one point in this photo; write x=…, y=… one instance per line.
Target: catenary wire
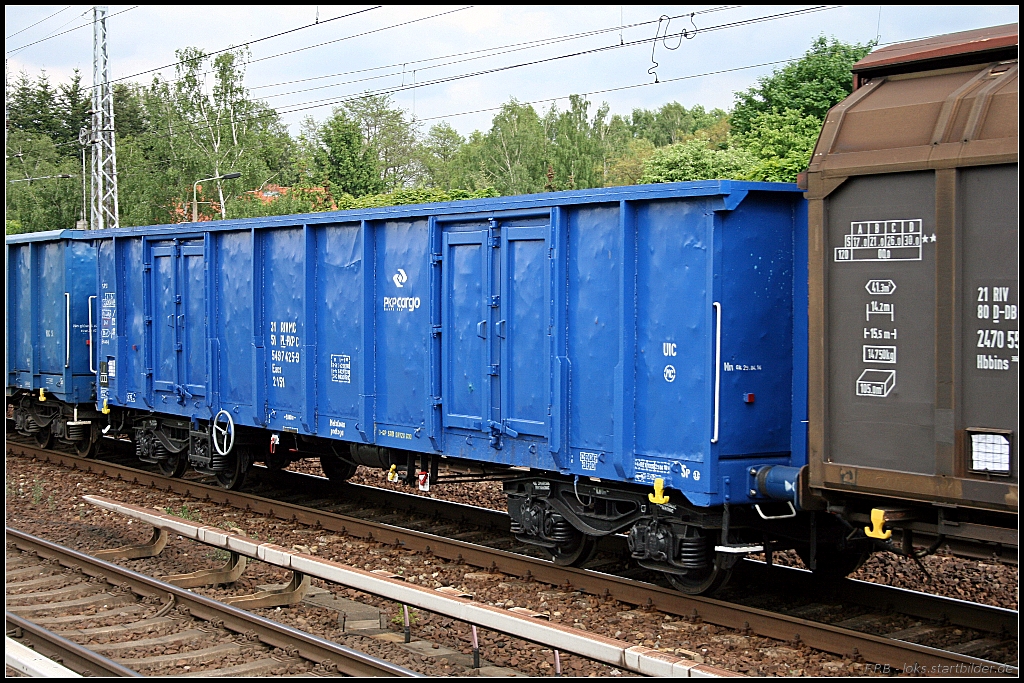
x=248, y=43
x=308, y=47
x=504, y=48
x=314, y=104
x=494, y=52
x=39, y=22
x=54, y=35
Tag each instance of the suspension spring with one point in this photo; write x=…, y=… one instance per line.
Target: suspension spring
x=693, y=553
x=561, y=530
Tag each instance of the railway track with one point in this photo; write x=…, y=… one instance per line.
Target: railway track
x=971, y=635
x=98, y=617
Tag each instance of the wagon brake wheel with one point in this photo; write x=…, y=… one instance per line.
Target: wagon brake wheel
x=223, y=437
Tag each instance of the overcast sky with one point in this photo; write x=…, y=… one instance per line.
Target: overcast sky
x=145, y=37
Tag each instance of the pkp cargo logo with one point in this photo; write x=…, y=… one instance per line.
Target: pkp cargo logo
x=400, y=278
x=401, y=303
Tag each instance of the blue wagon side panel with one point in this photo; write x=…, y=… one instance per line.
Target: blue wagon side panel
x=50, y=279
x=284, y=327
x=232, y=330
x=403, y=334
x=132, y=377
x=593, y=335
x=20, y=355
x=50, y=313
x=756, y=289
x=674, y=343
x=341, y=356
x=81, y=287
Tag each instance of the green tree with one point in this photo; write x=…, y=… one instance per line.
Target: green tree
x=52, y=203
x=627, y=167
x=73, y=104
x=440, y=157
x=33, y=108
x=512, y=154
x=575, y=149
x=782, y=143
x=392, y=136
x=349, y=165
x=810, y=86
x=694, y=160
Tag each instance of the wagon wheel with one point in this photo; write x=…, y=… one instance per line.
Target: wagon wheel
x=831, y=562
x=336, y=469
x=175, y=464
x=44, y=437
x=238, y=462
x=576, y=553
x=87, y=448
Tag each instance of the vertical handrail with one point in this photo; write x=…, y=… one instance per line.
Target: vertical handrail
x=92, y=349
x=718, y=364
x=67, y=329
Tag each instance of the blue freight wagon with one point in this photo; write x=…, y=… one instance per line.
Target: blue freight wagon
x=627, y=360
x=51, y=385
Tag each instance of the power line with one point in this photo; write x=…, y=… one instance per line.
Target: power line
x=314, y=104
x=308, y=47
x=37, y=23
x=624, y=87
x=495, y=51
x=54, y=35
x=251, y=42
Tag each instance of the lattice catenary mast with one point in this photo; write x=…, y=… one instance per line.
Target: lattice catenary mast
x=104, y=161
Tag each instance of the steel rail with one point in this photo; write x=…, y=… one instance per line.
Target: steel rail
x=825, y=637
x=78, y=658
x=348, y=661
x=910, y=602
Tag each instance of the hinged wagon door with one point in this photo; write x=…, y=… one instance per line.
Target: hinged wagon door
x=522, y=330
x=177, y=318
x=465, y=315
x=495, y=310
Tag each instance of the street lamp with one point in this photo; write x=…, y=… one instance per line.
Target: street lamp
x=195, y=204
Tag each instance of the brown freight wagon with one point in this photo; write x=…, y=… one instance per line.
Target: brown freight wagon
x=914, y=341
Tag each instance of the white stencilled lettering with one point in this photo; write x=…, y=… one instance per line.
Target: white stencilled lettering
x=993, y=363
x=882, y=308
x=879, y=354
x=401, y=303
x=341, y=368
x=740, y=367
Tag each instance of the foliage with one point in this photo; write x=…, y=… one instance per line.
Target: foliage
x=49, y=203
x=512, y=154
x=694, y=160
x=311, y=200
x=413, y=196
x=388, y=132
x=349, y=165
x=440, y=157
x=782, y=143
x=573, y=147
x=811, y=86
x=628, y=167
